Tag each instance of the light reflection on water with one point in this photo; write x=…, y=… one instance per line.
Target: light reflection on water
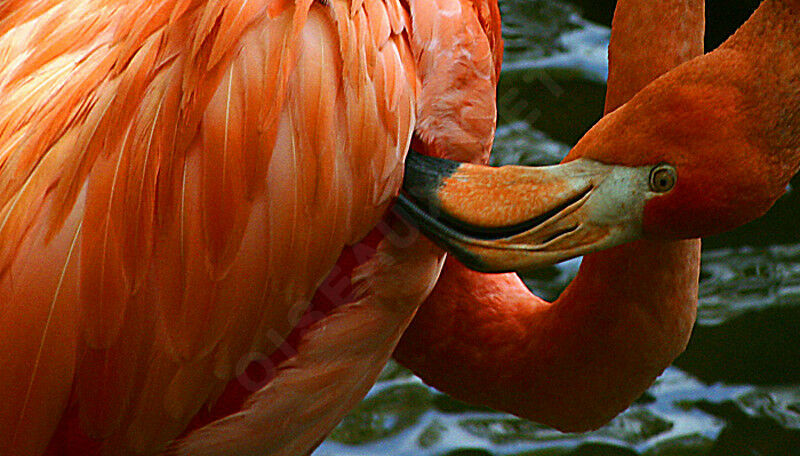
x=679, y=415
x=734, y=392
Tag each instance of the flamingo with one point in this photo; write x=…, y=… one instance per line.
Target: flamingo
x=178, y=177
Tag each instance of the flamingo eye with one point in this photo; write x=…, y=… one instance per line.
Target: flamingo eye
x=663, y=178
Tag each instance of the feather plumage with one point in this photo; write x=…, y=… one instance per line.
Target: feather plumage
x=170, y=173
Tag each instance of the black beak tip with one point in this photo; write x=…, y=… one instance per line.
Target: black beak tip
x=424, y=175
x=441, y=234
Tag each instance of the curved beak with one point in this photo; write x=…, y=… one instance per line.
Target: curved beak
x=517, y=218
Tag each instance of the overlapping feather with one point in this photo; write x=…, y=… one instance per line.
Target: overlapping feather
x=176, y=178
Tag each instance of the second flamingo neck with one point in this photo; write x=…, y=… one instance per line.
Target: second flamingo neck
x=767, y=50
x=561, y=363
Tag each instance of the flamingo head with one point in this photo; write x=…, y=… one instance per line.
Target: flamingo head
x=714, y=156
x=687, y=157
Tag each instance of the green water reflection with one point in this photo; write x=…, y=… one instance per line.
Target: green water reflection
x=736, y=390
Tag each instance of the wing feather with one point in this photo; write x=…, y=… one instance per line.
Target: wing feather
x=103, y=277
x=232, y=23
x=36, y=379
x=108, y=379
x=379, y=25
x=224, y=201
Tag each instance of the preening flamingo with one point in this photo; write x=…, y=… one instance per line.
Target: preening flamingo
x=726, y=124
x=515, y=352
x=166, y=212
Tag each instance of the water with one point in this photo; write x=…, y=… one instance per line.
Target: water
x=736, y=390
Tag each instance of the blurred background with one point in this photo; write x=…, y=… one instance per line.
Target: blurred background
x=736, y=389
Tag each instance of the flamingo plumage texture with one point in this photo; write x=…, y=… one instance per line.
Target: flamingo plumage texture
x=178, y=177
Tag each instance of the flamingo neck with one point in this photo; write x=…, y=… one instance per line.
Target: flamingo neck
x=766, y=52
x=573, y=364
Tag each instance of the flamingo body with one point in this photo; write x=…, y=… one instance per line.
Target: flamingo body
x=178, y=177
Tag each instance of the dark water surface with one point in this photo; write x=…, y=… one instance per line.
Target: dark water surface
x=736, y=390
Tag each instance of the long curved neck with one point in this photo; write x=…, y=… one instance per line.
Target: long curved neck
x=767, y=47
x=673, y=31
x=575, y=363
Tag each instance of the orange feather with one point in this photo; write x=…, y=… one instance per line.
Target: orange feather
x=177, y=178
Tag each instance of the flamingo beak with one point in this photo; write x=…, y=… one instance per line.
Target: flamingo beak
x=517, y=218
